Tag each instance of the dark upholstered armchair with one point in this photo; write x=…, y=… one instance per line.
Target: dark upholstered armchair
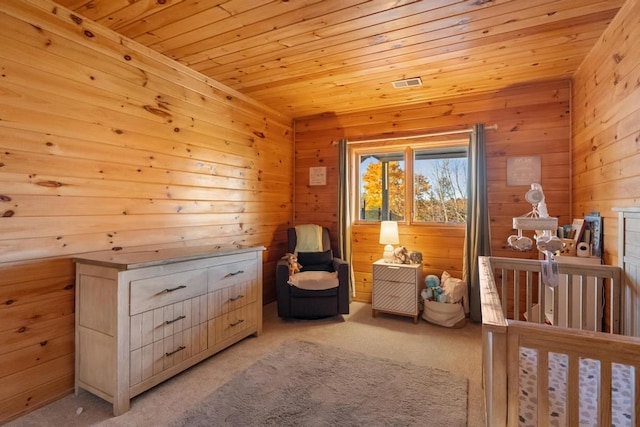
x=311, y=303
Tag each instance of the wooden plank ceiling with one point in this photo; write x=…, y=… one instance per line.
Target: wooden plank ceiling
x=306, y=57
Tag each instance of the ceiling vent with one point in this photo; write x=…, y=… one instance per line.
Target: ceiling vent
x=412, y=82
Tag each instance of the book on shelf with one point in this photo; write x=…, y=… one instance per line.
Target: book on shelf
x=594, y=224
x=577, y=228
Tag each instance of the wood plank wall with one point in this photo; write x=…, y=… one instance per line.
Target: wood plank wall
x=104, y=145
x=532, y=120
x=606, y=126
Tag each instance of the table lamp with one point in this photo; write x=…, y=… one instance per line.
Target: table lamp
x=388, y=237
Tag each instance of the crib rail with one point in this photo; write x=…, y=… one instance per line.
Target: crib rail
x=494, y=347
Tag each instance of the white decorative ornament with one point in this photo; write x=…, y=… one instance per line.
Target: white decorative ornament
x=545, y=227
x=537, y=220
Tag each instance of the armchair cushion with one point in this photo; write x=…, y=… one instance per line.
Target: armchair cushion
x=316, y=261
x=314, y=280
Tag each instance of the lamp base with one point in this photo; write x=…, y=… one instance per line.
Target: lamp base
x=387, y=255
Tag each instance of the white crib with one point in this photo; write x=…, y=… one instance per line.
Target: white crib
x=508, y=344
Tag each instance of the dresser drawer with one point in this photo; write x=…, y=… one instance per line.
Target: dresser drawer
x=395, y=297
x=154, y=358
x=235, y=322
x=393, y=273
x=159, y=291
x=226, y=275
x=157, y=324
x=231, y=298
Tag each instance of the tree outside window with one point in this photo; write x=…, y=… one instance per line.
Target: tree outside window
x=444, y=199
x=382, y=184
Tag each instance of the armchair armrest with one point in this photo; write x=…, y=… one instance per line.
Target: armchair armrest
x=282, y=287
x=339, y=264
x=282, y=272
x=342, y=268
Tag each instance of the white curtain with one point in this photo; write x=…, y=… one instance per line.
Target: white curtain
x=344, y=211
x=478, y=236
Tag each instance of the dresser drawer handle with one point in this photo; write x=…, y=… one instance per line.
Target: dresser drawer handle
x=234, y=274
x=175, y=351
x=236, y=298
x=168, y=322
x=236, y=323
x=175, y=289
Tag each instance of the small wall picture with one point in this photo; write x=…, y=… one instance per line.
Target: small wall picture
x=318, y=175
x=523, y=170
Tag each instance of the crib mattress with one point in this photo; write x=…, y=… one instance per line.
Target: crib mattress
x=622, y=391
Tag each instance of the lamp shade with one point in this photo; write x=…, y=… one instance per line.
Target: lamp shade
x=389, y=233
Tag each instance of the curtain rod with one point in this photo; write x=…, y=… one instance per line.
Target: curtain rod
x=397, y=138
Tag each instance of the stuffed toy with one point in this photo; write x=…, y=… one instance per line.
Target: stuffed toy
x=432, y=281
x=294, y=266
x=400, y=255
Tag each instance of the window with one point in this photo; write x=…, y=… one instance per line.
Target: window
x=382, y=186
x=440, y=185
x=430, y=187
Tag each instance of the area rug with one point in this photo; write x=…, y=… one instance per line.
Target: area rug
x=309, y=384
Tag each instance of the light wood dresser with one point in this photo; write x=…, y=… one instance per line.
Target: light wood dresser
x=142, y=317
x=396, y=289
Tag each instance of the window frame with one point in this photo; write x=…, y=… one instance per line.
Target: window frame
x=408, y=149
x=356, y=186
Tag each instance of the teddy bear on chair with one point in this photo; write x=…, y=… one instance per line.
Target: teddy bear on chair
x=294, y=265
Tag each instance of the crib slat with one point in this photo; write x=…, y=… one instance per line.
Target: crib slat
x=635, y=311
x=567, y=297
x=584, y=307
x=505, y=291
x=529, y=291
x=541, y=300
x=543, y=387
x=615, y=297
x=513, y=379
x=636, y=396
x=605, y=394
x=573, y=391
x=516, y=294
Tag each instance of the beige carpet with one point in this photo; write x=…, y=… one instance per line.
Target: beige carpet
x=309, y=384
x=386, y=336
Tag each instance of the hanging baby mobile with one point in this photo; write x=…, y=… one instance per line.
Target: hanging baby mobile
x=545, y=229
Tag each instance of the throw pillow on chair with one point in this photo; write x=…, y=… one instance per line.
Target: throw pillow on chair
x=316, y=261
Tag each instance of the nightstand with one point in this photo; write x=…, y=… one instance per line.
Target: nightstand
x=396, y=289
